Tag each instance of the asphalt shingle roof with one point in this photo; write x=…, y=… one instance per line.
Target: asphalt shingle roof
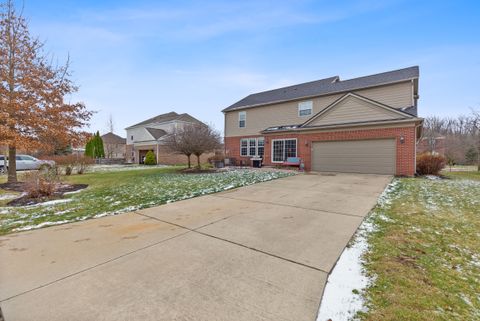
x=324, y=86
x=168, y=117
x=111, y=138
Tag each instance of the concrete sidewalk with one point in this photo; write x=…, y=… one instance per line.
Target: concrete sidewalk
x=261, y=252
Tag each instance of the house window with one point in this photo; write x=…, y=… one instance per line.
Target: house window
x=252, y=147
x=244, y=147
x=131, y=137
x=305, y=108
x=261, y=146
x=282, y=149
x=242, y=119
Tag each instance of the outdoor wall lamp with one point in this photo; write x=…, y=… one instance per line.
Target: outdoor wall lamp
x=402, y=140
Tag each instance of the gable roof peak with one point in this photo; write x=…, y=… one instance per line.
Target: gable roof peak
x=325, y=86
x=170, y=116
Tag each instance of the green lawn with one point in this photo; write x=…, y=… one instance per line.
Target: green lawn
x=122, y=191
x=424, y=253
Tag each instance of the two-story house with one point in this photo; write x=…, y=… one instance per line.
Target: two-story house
x=149, y=134
x=362, y=125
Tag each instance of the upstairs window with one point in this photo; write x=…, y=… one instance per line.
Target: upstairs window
x=305, y=108
x=242, y=119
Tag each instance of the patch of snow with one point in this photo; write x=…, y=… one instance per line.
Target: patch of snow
x=432, y=177
x=43, y=224
x=74, y=192
x=342, y=297
x=112, y=168
x=7, y=196
x=343, y=294
x=53, y=202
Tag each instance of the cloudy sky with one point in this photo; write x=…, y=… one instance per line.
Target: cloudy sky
x=137, y=59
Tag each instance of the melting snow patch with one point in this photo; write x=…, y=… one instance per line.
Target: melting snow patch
x=432, y=177
x=7, y=196
x=49, y=203
x=31, y=227
x=74, y=192
x=342, y=297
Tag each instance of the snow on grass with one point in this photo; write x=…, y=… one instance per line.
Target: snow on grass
x=342, y=297
x=7, y=196
x=32, y=227
x=50, y=203
x=424, y=250
x=126, y=167
x=119, y=195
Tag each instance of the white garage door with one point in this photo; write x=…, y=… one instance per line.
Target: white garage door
x=374, y=156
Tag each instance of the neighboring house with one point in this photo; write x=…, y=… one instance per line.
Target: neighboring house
x=114, y=146
x=435, y=145
x=361, y=125
x=149, y=134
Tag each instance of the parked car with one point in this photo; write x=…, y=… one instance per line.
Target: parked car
x=25, y=162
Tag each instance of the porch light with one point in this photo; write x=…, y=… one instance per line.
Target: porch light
x=402, y=140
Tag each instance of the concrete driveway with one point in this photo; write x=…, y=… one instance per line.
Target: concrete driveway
x=261, y=252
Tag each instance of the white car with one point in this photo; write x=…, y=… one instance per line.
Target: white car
x=25, y=162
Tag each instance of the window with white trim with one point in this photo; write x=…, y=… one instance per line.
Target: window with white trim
x=242, y=119
x=260, y=146
x=244, y=147
x=283, y=148
x=305, y=108
x=253, y=147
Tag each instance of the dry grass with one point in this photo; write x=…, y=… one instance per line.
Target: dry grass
x=425, y=252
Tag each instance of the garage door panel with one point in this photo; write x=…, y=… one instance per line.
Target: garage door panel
x=376, y=156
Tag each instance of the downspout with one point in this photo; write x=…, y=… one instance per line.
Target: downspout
x=418, y=135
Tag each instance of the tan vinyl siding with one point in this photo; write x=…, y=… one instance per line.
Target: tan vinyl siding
x=259, y=118
x=375, y=156
x=353, y=109
x=397, y=95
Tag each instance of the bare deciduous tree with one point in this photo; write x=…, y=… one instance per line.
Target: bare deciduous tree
x=461, y=135
x=110, y=124
x=32, y=92
x=193, y=139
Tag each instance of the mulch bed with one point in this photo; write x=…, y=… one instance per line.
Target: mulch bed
x=25, y=200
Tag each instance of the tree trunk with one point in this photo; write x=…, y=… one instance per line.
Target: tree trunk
x=12, y=164
x=198, y=161
x=189, y=163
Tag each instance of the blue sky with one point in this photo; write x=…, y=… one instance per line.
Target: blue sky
x=137, y=59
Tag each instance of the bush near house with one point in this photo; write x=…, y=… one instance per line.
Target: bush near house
x=430, y=164
x=150, y=158
x=40, y=184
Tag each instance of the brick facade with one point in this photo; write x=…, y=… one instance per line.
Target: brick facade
x=405, y=162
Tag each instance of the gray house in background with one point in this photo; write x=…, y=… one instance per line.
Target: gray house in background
x=114, y=146
x=148, y=135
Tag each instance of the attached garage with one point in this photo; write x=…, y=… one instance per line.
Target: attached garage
x=373, y=156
